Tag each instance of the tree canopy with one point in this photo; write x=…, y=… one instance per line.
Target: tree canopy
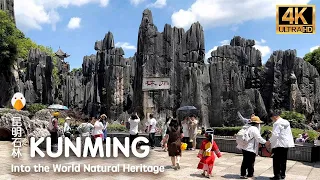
x=14, y=44
x=314, y=58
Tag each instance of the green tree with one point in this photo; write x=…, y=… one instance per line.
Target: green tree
x=314, y=58
x=8, y=41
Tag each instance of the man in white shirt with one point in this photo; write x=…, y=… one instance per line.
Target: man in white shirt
x=250, y=150
x=134, y=125
x=66, y=128
x=281, y=140
x=152, y=123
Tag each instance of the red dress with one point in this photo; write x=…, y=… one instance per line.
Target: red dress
x=207, y=158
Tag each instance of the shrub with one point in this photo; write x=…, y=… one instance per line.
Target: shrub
x=293, y=116
x=116, y=128
x=231, y=131
x=33, y=108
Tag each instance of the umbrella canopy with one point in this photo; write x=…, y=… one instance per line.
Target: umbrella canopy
x=187, y=108
x=58, y=106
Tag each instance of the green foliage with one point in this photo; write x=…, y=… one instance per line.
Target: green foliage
x=61, y=121
x=231, y=131
x=313, y=58
x=8, y=41
x=293, y=116
x=14, y=44
x=76, y=70
x=116, y=128
x=33, y=108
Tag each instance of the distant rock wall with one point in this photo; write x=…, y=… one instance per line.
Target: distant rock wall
x=8, y=6
x=234, y=80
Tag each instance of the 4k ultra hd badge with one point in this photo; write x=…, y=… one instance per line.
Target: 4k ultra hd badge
x=296, y=19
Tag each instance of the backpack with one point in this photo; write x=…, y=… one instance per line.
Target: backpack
x=243, y=138
x=51, y=127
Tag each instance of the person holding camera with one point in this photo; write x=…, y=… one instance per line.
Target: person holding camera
x=134, y=121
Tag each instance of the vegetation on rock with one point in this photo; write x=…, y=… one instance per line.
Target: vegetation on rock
x=313, y=58
x=293, y=116
x=33, y=108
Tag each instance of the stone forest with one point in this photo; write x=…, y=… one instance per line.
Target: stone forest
x=233, y=79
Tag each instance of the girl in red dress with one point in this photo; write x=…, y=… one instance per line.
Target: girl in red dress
x=206, y=154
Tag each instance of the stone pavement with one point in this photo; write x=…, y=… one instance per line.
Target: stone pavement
x=227, y=167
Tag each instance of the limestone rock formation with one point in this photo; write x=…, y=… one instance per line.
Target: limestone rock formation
x=235, y=82
x=36, y=81
x=291, y=83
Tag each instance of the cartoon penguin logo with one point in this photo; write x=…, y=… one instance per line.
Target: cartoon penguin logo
x=18, y=101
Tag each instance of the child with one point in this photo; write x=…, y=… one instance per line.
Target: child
x=208, y=146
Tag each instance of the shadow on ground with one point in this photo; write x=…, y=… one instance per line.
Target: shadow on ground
x=236, y=176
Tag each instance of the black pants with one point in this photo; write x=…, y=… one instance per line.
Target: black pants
x=152, y=139
x=248, y=163
x=132, y=137
x=280, y=155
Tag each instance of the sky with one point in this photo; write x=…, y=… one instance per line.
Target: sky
x=75, y=25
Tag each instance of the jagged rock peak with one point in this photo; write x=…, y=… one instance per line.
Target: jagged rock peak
x=108, y=41
x=146, y=17
x=239, y=41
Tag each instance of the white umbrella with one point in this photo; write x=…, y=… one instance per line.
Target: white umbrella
x=58, y=106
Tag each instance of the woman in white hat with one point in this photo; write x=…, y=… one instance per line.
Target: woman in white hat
x=66, y=128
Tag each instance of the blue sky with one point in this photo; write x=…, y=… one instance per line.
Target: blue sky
x=75, y=25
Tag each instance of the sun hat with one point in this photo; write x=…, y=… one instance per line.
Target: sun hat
x=68, y=118
x=55, y=114
x=255, y=120
x=103, y=115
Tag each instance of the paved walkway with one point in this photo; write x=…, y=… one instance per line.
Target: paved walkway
x=227, y=167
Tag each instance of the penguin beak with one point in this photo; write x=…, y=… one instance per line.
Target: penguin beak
x=18, y=105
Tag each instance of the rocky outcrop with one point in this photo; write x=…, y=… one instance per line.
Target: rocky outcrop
x=234, y=80
x=36, y=82
x=291, y=83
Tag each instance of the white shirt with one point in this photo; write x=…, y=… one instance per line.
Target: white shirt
x=66, y=127
x=98, y=128
x=185, y=128
x=134, y=124
x=253, y=144
x=152, y=122
x=281, y=134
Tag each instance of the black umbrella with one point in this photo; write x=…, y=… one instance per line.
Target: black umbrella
x=187, y=108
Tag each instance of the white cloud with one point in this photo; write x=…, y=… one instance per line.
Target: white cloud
x=136, y=2
x=314, y=48
x=260, y=45
x=264, y=49
x=74, y=23
x=159, y=4
x=224, y=42
x=125, y=45
x=213, y=13
x=32, y=14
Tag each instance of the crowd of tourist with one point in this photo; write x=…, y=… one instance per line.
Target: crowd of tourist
x=176, y=132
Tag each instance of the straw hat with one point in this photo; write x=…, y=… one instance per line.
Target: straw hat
x=68, y=118
x=256, y=120
x=103, y=115
x=55, y=114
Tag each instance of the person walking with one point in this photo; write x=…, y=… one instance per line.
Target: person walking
x=281, y=140
x=250, y=149
x=98, y=129
x=174, y=135
x=186, y=130
x=104, y=121
x=134, y=121
x=193, y=131
x=164, y=142
x=66, y=128
x=151, y=129
x=85, y=130
x=206, y=154
x=53, y=129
